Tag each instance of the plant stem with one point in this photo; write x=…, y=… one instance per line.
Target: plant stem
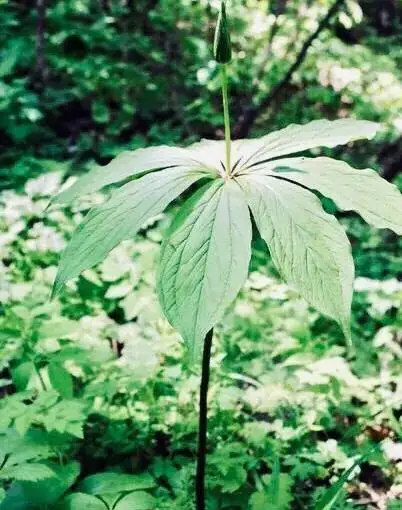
x=41, y=381
x=226, y=117
x=203, y=423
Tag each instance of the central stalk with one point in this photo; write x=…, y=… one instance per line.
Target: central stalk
x=226, y=117
x=223, y=55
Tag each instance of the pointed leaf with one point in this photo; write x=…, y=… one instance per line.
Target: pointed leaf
x=129, y=164
x=61, y=380
x=120, y=218
x=274, y=486
x=204, y=260
x=308, y=246
x=331, y=496
x=301, y=137
x=363, y=191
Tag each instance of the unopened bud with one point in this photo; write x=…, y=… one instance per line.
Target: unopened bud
x=222, y=44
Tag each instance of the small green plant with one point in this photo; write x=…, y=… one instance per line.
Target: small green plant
x=206, y=253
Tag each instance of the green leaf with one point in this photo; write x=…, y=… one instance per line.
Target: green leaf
x=78, y=501
x=29, y=471
x=277, y=494
x=332, y=495
x=2, y=495
x=22, y=373
x=129, y=164
x=44, y=492
x=136, y=501
x=363, y=191
x=65, y=416
x=61, y=380
x=50, y=490
x=113, y=483
x=308, y=246
x=120, y=218
x=300, y=137
x=274, y=486
x=204, y=260
x=19, y=449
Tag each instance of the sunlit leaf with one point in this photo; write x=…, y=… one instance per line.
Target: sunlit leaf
x=363, y=191
x=129, y=164
x=308, y=246
x=120, y=218
x=205, y=259
x=301, y=137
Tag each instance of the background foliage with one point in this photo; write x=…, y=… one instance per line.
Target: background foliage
x=96, y=383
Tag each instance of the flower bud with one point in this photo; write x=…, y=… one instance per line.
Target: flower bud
x=222, y=44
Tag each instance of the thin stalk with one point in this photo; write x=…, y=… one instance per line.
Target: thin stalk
x=203, y=423
x=41, y=380
x=226, y=116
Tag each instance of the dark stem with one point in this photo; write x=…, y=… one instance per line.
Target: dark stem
x=247, y=120
x=41, y=381
x=203, y=424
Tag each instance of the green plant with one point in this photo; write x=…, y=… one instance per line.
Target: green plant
x=206, y=253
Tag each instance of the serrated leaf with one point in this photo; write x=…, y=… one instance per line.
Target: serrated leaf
x=29, y=471
x=363, y=191
x=204, y=260
x=277, y=494
x=61, y=380
x=78, y=501
x=65, y=416
x=120, y=218
x=136, y=501
x=46, y=492
x=300, y=137
x=113, y=483
x=308, y=246
x=22, y=449
x=129, y=164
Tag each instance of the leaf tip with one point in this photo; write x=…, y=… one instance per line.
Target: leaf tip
x=57, y=286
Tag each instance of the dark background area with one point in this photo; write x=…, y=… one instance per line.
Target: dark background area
x=82, y=79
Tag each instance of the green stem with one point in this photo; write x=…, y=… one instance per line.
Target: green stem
x=226, y=117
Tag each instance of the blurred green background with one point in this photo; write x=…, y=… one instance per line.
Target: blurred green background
x=96, y=381
x=81, y=80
